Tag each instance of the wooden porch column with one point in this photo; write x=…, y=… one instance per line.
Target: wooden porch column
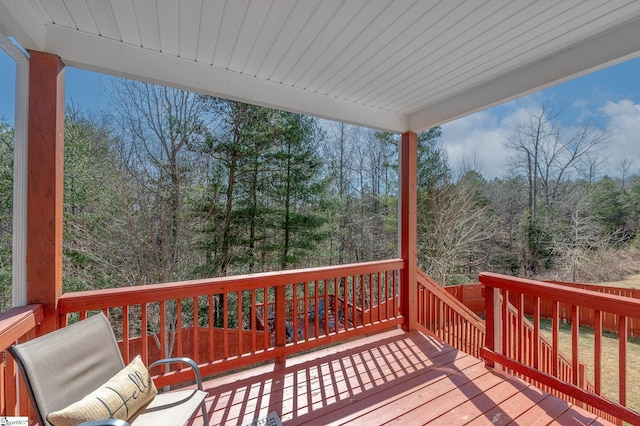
x=45, y=183
x=408, y=227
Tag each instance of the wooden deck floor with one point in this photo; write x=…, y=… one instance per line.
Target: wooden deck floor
x=393, y=377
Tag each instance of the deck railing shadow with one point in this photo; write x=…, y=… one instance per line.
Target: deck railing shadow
x=363, y=384
x=334, y=385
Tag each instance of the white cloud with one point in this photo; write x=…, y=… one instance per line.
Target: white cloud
x=481, y=136
x=623, y=119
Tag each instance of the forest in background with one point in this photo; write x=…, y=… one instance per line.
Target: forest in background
x=169, y=185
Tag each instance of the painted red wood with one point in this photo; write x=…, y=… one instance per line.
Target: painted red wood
x=490, y=296
x=45, y=184
x=292, y=309
x=440, y=313
x=471, y=296
x=408, y=226
x=586, y=299
x=552, y=361
x=622, y=359
x=196, y=323
x=125, y=334
x=536, y=333
x=97, y=299
x=575, y=335
x=596, y=401
x=11, y=391
x=597, y=353
x=504, y=322
x=387, y=378
x=555, y=338
x=18, y=322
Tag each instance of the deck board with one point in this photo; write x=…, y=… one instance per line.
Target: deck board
x=395, y=376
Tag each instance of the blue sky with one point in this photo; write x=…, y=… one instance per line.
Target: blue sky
x=611, y=95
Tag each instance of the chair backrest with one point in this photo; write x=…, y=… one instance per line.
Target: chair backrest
x=63, y=366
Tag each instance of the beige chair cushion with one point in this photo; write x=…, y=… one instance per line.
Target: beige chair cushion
x=121, y=397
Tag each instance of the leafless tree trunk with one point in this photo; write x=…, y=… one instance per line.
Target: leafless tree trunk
x=548, y=153
x=451, y=242
x=157, y=127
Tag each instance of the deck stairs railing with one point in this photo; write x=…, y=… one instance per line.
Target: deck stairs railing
x=444, y=315
x=505, y=339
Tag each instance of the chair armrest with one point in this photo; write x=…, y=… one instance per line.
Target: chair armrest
x=106, y=422
x=183, y=360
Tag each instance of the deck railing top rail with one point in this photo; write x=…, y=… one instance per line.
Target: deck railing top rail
x=459, y=308
x=621, y=305
x=98, y=299
x=17, y=322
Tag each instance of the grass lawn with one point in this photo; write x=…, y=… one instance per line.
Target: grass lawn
x=632, y=281
x=609, y=360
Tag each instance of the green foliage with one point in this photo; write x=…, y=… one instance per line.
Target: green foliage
x=295, y=182
x=6, y=212
x=92, y=206
x=616, y=209
x=232, y=188
x=433, y=165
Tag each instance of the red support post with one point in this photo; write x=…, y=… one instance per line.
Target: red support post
x=45, y=184
x=409, y=228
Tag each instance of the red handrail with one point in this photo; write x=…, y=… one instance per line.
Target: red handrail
x=227, y=322
x=497, y=350
x=16, y=324
x=442, y=314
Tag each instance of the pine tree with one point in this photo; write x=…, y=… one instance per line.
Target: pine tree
x=297, y=188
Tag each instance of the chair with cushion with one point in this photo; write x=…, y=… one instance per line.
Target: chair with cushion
x=76, y=374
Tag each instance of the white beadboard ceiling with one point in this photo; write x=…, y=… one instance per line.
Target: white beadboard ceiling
x=396, y=65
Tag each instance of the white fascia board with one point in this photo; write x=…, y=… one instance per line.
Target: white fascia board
x=108, y=56
x=612, y=47
x=21, y=22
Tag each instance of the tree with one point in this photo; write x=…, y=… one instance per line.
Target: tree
x=508, y=198
x=6, y=213
x=93, y=213
x=433, y=165
x=157, y=128
x=298, y=188
x=548, y=154
x=454, y=220
x=454, y=230
x=229, y=145
x=578, y=233
x=339, y=152
x=611, y=208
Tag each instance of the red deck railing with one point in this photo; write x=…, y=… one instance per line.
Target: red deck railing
x=16, y=325
x=222, y=323
x=505, y=343
x=471, y=296
x=225, y=323
x=440, y=313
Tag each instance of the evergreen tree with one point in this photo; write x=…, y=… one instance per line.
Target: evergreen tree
x=610, y=209
x=297, y=187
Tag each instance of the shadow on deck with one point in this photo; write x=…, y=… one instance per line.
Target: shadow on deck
x=393, y=376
